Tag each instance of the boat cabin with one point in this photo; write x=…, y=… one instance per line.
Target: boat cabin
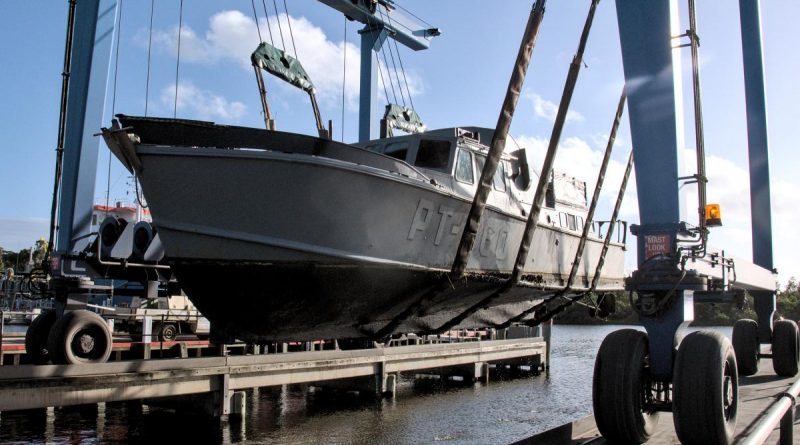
x=454, y=159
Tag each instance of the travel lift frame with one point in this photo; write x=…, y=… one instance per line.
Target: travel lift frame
x=636, y=374
x=645, y=35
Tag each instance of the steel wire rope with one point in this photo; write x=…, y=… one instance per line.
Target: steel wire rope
x=400, y=59
x=255, y=17
x=291, y=33
x=269, y=27
x=378, y=60
x=280, y=28
x=388, y=72
x=149, y=48
x=178, y=62
x=344, y=73
x=114, y=97
x=394, y=64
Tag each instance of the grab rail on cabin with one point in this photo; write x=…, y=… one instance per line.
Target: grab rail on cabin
x=283, y=66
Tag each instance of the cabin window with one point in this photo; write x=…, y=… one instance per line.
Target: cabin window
x=397, y=150
x=573, y=224
x=433, y=154
x=94, y=219
x=550, y=196
x=464, y=167
x=500, y=177
x=562, y=220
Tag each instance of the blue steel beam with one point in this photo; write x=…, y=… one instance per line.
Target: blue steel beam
x=645, y=39
x=758, y=150
x=91, y=54
x=380, y=24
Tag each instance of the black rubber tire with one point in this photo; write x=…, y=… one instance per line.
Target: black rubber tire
x=79, y=337
x=746, y=346
x=785, y=348
x=167, y=332
x=705, y=389
x=36, y=337
x=620, y=379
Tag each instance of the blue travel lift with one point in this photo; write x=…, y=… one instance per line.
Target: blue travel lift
x=636, y=374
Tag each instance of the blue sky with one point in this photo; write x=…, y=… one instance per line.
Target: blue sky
x=459, y=81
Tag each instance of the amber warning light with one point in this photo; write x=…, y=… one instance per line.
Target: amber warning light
x=713, y=215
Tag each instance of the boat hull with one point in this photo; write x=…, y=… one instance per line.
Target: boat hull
x=281, y=245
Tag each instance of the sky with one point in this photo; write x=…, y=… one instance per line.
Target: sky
x=459, y=81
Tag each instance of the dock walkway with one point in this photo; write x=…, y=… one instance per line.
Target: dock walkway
x=30, y=386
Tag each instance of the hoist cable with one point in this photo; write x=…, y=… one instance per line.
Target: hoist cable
x=378, y=59
x=255, y=17
x=291, y=34
x=269, y=27
x=116, y=61
x=344, y=73
x=394, y=64
x=178, y=63
x=149, y=47
x=402, y=68
x=280, y=28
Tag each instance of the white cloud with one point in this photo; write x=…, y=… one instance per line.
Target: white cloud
x=546, y=109
x=194, y=102
x=22, y=233
x=232, y=36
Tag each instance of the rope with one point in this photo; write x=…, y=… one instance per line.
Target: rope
x=394, y=65
x=114, y=97
x=255, y=17
x=149, y=47
x=280, y=28
x=344, y=74
x=178, y=63
x=116, y=62
x=378, y=60
x=269, y=27
x=388, y=73
x=291, y=34
x=400, y=59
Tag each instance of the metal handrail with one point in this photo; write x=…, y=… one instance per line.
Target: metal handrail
x=781, y=411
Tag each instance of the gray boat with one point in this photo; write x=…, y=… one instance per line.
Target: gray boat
x=283, y=236
x=280, y=236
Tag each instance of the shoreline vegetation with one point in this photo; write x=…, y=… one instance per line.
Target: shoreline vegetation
x=719, y=314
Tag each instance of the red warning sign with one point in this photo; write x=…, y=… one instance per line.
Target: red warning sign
x=657, y=245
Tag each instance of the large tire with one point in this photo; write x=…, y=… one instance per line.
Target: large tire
x=36, y=337
x=79, y=337
x=785, y=348
x=705, y=390
x=621, y=379
x=746, y=346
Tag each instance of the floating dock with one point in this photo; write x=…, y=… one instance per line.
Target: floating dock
x=757, y=394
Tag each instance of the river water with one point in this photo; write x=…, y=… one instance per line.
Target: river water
x=503, y=411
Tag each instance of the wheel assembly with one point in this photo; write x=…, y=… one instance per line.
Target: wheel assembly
x=79, y=337
x=705, y=389
x=785, y=348
x=746, y=346
x=36, y=337
x=621, y=387
x=167, y=332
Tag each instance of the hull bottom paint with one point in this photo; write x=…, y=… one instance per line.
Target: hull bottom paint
x=271, y=302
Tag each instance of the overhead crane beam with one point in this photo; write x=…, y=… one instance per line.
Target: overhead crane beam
x=379, y=26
